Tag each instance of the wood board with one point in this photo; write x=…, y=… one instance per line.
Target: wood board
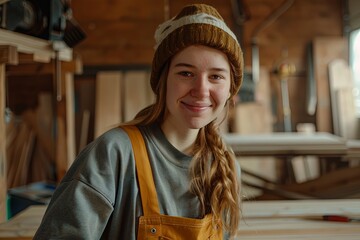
x=276, y=220
x=342, y=99
x=326, y=49
x=108, y=112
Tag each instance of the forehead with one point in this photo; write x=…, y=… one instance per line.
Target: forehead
x=201, y=56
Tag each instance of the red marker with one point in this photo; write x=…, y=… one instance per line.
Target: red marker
x=339, y=218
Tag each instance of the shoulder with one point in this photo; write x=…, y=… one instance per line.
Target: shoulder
x=114, y=141
x=109, y=148
x=100, y=164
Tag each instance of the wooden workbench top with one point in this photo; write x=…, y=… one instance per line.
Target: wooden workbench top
x=261, y=220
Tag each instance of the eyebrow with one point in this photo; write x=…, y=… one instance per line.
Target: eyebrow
x=192, y=66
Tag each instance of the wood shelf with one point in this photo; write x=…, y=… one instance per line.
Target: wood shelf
x=39, y=50
x=26, y=55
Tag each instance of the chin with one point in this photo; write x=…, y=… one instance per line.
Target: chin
x=198, y=124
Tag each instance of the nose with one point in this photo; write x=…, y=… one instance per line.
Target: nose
x=201, y=87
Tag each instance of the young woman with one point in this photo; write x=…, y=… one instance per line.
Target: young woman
x=167, y=174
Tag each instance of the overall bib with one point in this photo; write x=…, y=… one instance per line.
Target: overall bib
x=153, y=225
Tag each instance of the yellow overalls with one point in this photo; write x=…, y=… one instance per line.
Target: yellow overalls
x=154, y=225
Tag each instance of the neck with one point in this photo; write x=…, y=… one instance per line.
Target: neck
x=181, y=139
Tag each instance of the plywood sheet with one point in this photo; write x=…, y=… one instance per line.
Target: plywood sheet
x=137, y=93
x=342, y=99
x=108, y=101
x=326, y=49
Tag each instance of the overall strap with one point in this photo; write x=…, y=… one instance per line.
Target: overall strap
x=148, y=193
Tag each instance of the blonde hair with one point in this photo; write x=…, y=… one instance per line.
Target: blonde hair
x=214, y=179
x=213, y=176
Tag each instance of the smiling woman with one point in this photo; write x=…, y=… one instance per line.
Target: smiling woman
x=167, y=174
x=198, y=88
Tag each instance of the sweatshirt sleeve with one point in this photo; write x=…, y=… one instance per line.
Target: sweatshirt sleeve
x=84, y=201
x=77, y=211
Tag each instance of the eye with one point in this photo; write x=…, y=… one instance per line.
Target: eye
x=217, y=77
x=185, y=74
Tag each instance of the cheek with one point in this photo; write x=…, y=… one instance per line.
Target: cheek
x=177, y=89
x=172, y=93
x=222, y=95
x=170, y=89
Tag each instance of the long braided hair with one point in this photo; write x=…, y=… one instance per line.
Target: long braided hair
x=213, y=176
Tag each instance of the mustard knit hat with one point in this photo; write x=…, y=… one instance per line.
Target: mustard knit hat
x=195, y=24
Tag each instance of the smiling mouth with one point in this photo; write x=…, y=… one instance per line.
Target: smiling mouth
x=196, y=108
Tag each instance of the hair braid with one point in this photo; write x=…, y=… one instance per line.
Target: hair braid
x=214, y=179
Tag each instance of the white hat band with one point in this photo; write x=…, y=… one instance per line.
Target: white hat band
x=169, y=26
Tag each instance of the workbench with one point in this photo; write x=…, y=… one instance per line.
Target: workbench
x=294, y=219
x=320, y=144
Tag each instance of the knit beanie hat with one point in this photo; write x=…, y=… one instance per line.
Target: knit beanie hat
x=196, y=24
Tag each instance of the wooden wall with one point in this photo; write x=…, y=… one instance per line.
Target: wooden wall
x=121, y=33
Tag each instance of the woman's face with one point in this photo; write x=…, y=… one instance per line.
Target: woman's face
x=198, y=87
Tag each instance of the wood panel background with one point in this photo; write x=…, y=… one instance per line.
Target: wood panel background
x=121, y=33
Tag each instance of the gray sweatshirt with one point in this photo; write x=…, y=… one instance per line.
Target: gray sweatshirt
x=99, y=196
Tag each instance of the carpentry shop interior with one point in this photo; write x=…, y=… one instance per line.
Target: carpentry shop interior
x=72, y=70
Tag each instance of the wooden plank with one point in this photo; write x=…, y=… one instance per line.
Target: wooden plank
x=340, y=183
x=20, y=150
x=29, y=67
x=41, y=49
x=287, y=144
x=300, y=208
x=108, y=101
x=86, y=97
x=309, y=165
x=342, y=99
x=65, y=139
x=61, y=149
x=70, y=118
x=23, y=226
x=326, y=49
x=270, y=220
x=137, y=93
x=31, y=57
x=348, y=120
x=23, y=163
x=8, y=54
x=44, y=153
x=296, y=229
x=3, y=182
x=84, y=129
x=298, y=219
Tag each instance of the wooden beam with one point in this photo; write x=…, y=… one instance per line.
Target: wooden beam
x=8, y=54
x=35, y=68
x=42, y=50
x=31, y=58
x=3, y=184
x=70, y=119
